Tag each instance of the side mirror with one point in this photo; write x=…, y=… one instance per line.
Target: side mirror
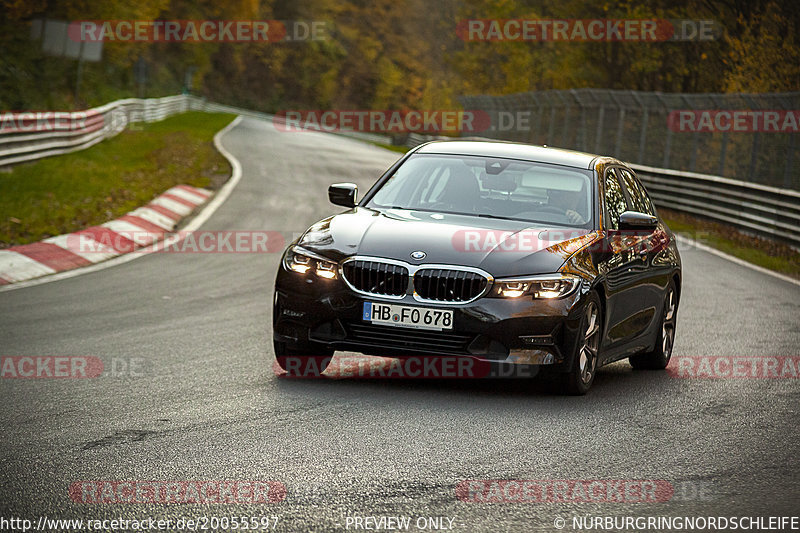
x=634, y=220
x=343, y=194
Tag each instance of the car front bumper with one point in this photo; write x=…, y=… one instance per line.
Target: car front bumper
x=313, y=311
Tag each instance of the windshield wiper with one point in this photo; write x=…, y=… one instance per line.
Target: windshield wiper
x=486, y=215
x=410, y=208
x=481, y=215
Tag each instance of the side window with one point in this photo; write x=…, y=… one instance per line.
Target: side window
x=648, y=202
x=614, y=199
x=641, y=202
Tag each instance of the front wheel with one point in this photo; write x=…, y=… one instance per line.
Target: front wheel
x=295, y=362
x=658, y=359
x=584, y=365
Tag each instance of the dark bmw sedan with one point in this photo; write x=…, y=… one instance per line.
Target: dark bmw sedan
x=505, y=253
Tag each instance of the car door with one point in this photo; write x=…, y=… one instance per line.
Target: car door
x=652, y=247
x=629, y=311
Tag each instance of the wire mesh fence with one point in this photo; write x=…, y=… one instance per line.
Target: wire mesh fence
x=750, y=137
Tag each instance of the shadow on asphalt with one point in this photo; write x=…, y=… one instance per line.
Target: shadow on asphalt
x=611, y=380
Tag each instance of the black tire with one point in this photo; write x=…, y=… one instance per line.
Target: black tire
x=580, y=377
x=658, y=359
x=311, y=362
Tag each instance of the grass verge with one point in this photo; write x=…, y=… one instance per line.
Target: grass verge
x=762, y=252
x=67, y=193
x=392, y=147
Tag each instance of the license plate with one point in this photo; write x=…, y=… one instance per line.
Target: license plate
x=410, y=317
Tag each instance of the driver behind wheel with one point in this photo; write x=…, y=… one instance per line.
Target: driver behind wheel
x=461, y=192
x=570, y=202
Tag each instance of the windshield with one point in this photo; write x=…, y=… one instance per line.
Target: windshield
x=490, y=187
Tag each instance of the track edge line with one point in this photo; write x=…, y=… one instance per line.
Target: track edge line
x=204, y=214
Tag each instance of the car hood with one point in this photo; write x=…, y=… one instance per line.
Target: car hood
x=500, y=247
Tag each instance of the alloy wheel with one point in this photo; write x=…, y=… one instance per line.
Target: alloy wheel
x=668, y=324
x=591, y=341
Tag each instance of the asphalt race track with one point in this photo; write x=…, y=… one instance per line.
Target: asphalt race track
x=205, y=404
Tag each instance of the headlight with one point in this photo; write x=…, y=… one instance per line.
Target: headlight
x=300, y=261
x=326, y=270
x=544, y=286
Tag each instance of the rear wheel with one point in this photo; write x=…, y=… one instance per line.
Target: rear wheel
x=658, y=359
x=584, y=365
x=310, y=362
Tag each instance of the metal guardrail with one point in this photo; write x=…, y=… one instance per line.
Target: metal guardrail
x=760, y=209
x=28, y=136
x=41, y=135
x=750, y=207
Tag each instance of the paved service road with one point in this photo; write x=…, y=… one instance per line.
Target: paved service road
x=205, y=405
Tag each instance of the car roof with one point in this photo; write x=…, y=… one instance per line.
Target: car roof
x=510, y=150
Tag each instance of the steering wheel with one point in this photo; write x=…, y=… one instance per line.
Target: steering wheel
x=440, y=205
x=551, y=209
x=447, y=206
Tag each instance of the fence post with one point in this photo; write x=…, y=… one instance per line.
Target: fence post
x=643, y=131
x=538, y=134
x=620, y=125
x=723, y=150
x=787, y=171
x=565, y=130
x=751, y=172
x=695, y=144
x=620, y=121
x=521, y=106
x=695, y=138
x=580, y=140
x=599, y=134
x=668, y=142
